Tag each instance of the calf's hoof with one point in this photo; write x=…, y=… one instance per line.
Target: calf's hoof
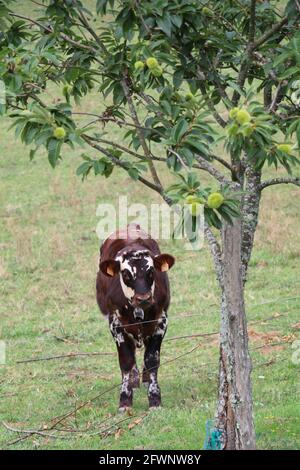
x=154, y=401
x=125, y=409
x=125, y=401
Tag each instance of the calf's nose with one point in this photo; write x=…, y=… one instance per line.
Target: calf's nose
x=143, y=298
x=138, y=314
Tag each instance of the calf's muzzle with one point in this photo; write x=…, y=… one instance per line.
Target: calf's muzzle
x=138, y=314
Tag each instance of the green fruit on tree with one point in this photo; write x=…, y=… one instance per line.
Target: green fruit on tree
x=194, y=203
x=232, y=130
x=59, y=133
x=67, y=89
x=157, y=71
x=195, y=209
x=215, y=200
x=191, y=198
x=286, y=148
x=152, y=63
x=139, y=65
x=206, y=11
x=248, y=131
x=233, y=112
x=189, y=96
x=242, y=116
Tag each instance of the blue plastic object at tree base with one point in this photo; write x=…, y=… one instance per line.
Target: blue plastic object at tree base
x=213, y=437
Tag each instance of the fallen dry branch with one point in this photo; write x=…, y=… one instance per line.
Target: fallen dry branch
x=59, y=419
x=38, y=432
x=29, y=432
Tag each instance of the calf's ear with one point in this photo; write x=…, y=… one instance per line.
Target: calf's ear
x=110, y=267
x=163, y=262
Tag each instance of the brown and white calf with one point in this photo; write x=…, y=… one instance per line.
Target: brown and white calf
x=133, y=291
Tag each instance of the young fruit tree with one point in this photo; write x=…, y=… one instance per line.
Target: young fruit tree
x=177, y=81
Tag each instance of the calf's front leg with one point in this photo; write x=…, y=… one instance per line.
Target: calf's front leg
x=126, y=353
x=152, y=361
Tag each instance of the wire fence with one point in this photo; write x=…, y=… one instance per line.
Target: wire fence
x=54, y=427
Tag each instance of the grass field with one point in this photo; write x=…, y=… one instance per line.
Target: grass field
x=48, y=261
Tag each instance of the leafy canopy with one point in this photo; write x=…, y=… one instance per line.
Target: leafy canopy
x=178, y=79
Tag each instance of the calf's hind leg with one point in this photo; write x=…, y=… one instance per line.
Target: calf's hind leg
x=134, y=377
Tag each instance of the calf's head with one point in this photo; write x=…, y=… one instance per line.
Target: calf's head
x=136, y=269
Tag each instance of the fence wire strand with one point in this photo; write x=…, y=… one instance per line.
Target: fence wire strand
x=45, y=430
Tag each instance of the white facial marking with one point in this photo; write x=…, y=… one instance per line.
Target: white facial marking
x=149, y=262
x=127, y=291
x=153, y=287
x=125, y=264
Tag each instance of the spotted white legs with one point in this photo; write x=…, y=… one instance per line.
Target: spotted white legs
x=129, y=370
x=152, y=361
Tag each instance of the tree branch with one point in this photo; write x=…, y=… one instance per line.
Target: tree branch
x=93, y=33
x=120, y=147
x=50, y=30
x=121, y=164
x=117, y=121
x=135, y=119
x=207, y=166
x=211, y=106
x=278, y=96
x=252, y=21
x=288, y=180
x=251, y=47
x=223, y=162
x=269, y=33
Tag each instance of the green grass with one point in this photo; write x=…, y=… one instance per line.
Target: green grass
x=49, y=254
x=48, y=262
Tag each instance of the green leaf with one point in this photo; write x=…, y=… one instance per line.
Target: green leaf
x=32, y=153
x=53, y=147
x=84, y=169
x=99, y=167
x=236, y=87
x=198, y=146
x=188, y=155
x=133, y=173
x=180, y=129
x=165, y=24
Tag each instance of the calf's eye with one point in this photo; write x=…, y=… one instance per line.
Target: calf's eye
x=126, y=276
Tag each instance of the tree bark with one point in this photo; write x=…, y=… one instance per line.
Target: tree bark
x=250, y=212
x=234, y=412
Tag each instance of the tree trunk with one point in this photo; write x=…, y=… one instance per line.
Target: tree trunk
x=234, y=411
x=250, y=210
